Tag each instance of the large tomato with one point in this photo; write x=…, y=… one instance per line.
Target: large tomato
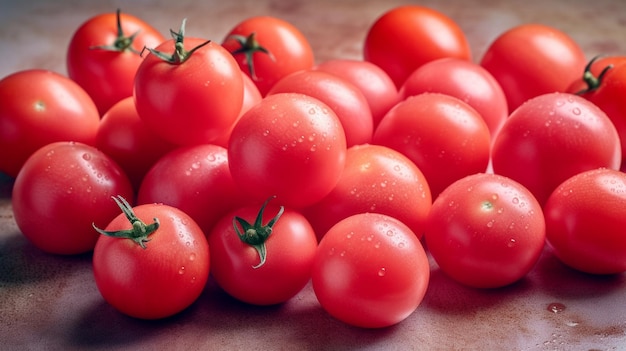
x=38, y=107
x=406, y=37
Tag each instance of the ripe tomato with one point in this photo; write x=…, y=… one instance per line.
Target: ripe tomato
x=104, y=54
x=267, y=49
x=192, y=96
x=289, y=145
x=533, y=59
x=38, y=107
x=406, y=37
x=62, y=189
x=370, y=271
x=445, y=137
x=375, y=179
x=585, y=221
x=195, y=179
x=262, y=257
x=464, y=80
x=551, y=138
x=155, y=270
x=344, y=98
x=485, y=231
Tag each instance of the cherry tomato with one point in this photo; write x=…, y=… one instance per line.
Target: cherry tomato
x=268, y=48
x=370, y=271
x=551, y=138
x=62, y=189
x=406, y=37
x=151, y=262
x=289, y=145
x=485, y=231
x=533, y=59
x=262, y=257
x=38, y=107
x=104, y=54
x=585, y=221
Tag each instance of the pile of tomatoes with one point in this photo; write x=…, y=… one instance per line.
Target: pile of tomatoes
x=246, y=161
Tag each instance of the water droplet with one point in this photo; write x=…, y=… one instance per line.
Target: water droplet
x=266, y=132
x=556, y=307
x=192, y=256
x=382, y=272
x=377, y=245
x=311, y=111
x=490, y=223
x=86, y=156
x=511, y=243
x=494, y=197
x=195, y=165
x=342, y=254
x=515, y=200
x=313, y=148
x=401, y=245
x=389, y=233
x=349, y=235
x=181, y=270
x=576, y=111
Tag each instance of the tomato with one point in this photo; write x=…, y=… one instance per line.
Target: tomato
x=289, y=145
x=406, y=37
x=62, y=189
x=155, y=270
x=104, y=54
x=446, y=138
x=268, y=48
x=485, y=231
x=533, y=59
x=370, y=271
x=262, y=257
x=375, y=179
x=195, y=179
x=585, y=221
x=345, y=99
x=125, y=138
x=192, y=96
x=375, y=84
x=38, y=107
x=552, y=137
x=464, y=80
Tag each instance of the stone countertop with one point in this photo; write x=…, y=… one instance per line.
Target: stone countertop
x=51, y=302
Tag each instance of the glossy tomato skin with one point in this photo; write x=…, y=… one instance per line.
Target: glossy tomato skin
x=375, y=179
x=343, y=97
x=485, y=231
x=464, y=80
x=291, y=146
x=38, y=107
x=552, y=137
x=289, y=50
x=105, y=74
x=585, y=221
x=194, y=102
x=370, y=271
x=290, y=250
x=445, y=137
x=406, y=37
x=533, y=59
x=161, y=280
x=62, y=189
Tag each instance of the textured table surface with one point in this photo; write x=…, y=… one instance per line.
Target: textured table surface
x=51, y=302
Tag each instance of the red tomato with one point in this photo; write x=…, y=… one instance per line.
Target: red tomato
x=585, y=221
x=344, y=98
x=445, y=137
x=268, y=48
x=464, y=80
x=262, y=257
x=155, y=270
x=551, y=138
x=289, y=145
x=370, y=271
x=375, y=84
x=127, y=140
x=62, y=189
x=375, y=179
x=406, y=37
x=104, y=54
x=533, y=59
x=196, y=180
x=38, y=107
x=485, y=231
x=176, y=94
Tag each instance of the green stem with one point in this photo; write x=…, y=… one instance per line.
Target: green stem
x=122, y=42
x=248, y=46
x=180, y=55
x=593, y=82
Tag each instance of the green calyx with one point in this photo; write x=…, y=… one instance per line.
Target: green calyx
x=122, y=42
x=593, y=82
x=248, y=46
x=180, y=55
x=256, y=234
x=140, y=230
